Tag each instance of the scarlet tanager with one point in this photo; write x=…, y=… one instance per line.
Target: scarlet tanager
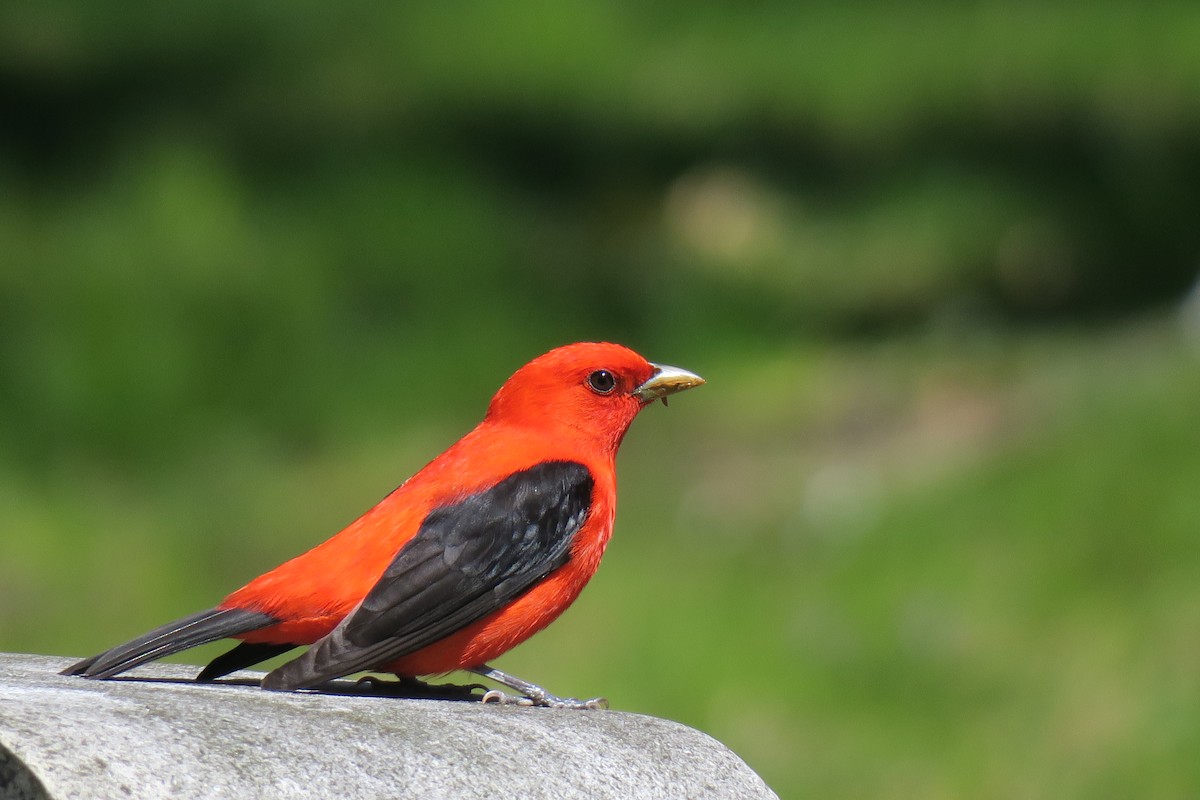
x=478, y=551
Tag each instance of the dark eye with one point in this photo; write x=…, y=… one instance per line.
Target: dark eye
x=602, y=381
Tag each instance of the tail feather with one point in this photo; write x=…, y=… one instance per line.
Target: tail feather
x=197, y=629
x=246, y=654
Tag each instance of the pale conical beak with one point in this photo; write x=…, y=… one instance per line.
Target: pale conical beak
x=666, y=381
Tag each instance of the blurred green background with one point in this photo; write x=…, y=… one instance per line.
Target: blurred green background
x=928, y=532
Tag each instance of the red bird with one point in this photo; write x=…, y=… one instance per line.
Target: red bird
x=478, y=551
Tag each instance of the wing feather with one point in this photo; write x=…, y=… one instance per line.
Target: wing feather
x=465, y=562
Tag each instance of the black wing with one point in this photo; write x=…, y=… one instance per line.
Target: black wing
x=466, y=561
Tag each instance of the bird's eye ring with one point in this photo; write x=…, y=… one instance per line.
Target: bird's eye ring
x=601, y=381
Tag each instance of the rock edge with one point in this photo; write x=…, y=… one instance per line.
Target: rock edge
x=160, y=735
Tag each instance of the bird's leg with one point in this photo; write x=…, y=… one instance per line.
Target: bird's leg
x=533, y=695
x=405, y=686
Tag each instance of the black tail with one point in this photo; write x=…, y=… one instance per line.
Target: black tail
x=202, y=628
x=246, y=654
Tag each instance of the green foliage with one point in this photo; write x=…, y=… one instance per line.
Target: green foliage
x=927, y=531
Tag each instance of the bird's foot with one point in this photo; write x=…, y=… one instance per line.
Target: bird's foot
x=531, y=693
x=544, y=699
x=413, y=688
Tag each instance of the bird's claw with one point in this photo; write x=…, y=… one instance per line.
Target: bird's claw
x=500, y=698
x=545, y=700
x=591, y=704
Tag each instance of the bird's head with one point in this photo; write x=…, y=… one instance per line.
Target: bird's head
x=595, y=389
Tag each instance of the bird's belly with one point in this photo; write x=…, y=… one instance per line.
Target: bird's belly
x=500, y=631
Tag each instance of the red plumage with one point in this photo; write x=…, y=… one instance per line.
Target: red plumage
x=570, y=406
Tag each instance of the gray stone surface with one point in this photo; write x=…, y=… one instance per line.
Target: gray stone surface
x=159, y=735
